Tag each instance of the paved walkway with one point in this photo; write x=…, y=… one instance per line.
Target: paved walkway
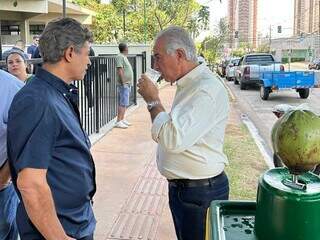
x=131, y=200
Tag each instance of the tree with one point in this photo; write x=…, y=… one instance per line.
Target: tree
x=212, y=46
x=124, y=19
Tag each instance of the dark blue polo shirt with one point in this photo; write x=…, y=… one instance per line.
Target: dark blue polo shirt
x=44, y=132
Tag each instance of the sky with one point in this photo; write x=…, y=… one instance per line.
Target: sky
x=270, y=12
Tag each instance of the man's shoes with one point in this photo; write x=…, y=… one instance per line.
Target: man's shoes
x=126, y=122
x=120, y=124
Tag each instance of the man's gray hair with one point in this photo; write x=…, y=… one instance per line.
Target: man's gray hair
x=178, y=38
x=58, y=35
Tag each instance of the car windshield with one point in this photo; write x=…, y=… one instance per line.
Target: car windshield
x=235, y=61
x=259, y=59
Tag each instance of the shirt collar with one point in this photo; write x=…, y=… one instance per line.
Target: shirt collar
x=54, y=81
x=190, y=76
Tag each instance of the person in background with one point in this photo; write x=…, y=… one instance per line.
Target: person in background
x=18, y=47
x=190, y=137
x=49, y=152
x=32, y=48
x=125, y=81
x=17, y=66
x=201, y=59
x=10, y=85
x=87, y=81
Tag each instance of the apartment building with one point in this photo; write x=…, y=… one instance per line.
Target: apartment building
x=306, y=16
x=242, y=19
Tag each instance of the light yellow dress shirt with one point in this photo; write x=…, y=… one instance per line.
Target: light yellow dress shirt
x=190, y=137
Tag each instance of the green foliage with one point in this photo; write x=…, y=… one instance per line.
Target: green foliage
x=243, y=49
x=263, y=48
x=109, y=24
x=212, y=46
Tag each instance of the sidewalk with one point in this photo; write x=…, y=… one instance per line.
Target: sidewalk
x=131, y=200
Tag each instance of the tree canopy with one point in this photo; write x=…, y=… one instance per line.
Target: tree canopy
x=127, y=20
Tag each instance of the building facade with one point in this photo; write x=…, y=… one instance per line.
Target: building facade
x=306, y=16
x=23, y=19
x=242, y=20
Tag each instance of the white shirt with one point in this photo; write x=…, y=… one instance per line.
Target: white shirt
x=190, y=138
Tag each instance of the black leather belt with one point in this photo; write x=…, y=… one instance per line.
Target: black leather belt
x=193, y=182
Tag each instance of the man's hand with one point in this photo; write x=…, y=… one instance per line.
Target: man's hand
x=4, y=175
x=147, y=89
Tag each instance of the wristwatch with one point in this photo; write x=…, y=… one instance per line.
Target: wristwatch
x=151, y=105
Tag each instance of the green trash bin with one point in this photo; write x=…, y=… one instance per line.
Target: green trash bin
x=231, y=220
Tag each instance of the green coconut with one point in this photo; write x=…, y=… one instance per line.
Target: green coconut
x=296, y=140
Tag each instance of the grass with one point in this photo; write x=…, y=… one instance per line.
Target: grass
x=246, y=164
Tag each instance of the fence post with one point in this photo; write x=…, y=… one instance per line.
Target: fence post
x=135, y=80
x=144, y=61
x=97, y=92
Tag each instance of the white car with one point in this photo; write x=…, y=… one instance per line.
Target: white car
x=231, y=69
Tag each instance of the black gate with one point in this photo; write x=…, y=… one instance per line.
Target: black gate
x=98, y=95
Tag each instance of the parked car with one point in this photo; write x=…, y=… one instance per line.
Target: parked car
x=252, y=65
x=315, y=64
x=231, y=69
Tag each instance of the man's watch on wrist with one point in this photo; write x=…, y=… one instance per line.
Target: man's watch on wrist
x=151, y=105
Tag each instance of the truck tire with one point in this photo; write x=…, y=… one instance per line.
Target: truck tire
x=242, y=86
x=264, y=92
x=304, y=92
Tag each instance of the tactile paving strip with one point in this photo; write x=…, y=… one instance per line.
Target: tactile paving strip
x=140, y=215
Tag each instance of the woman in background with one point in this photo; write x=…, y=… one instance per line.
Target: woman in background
x=17, y=66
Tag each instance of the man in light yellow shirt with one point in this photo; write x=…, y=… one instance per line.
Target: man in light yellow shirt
x=190, y=137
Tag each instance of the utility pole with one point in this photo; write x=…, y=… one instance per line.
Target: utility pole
x=270, y=38
x=145, y=21
x=64, y=6
x=124, y=22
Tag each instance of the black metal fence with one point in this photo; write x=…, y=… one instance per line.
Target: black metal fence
x=98, y=95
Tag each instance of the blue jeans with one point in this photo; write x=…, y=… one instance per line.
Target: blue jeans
x=189, y=206
x=8, y=207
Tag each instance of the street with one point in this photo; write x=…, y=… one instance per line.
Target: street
x=259, y=111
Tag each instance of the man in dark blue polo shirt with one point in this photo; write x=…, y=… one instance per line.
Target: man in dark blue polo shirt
x=49, y=152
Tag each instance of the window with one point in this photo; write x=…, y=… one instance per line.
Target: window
x=10, y=29
x=36, y=29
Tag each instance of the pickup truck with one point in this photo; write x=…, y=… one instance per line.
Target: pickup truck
x=251, y=66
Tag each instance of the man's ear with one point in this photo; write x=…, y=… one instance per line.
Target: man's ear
x=181, y=54
x=68, y=53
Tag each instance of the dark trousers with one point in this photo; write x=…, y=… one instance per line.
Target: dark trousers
x=189, y=206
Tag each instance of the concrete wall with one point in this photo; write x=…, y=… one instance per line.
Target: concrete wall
x=30, y=6
x=281, y=45
x=111, y=50
x=133, y=49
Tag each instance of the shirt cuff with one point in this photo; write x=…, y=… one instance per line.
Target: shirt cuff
x=158, y=122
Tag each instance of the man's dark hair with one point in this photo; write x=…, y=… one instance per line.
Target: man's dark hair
x=58, y=35
x=122, y=47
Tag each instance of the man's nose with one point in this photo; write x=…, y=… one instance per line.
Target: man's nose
x=156, y=66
